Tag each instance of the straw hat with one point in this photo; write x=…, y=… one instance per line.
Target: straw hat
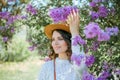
x=51, y=27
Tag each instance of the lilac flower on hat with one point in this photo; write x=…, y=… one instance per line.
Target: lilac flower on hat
x=92, y=30
x=60, y=14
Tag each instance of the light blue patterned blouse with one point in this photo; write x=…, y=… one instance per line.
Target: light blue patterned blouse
x=65, y=70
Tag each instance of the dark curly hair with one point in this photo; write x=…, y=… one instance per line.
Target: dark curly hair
x=67, y=37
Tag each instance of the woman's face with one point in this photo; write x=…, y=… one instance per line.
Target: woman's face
x=58, y=43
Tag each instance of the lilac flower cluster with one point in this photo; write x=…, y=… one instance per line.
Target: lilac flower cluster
x=31, y=48
x=102, y=10
x=47, y=59
x=12, y=19
x=90, y=59
x=5, y=39
x=9, y=18
x=93, y=30
x=77, y=59
x=7, y=29
x=4, y=15
x=117, y=72
x=112, y=31
x=95, y=45
x=103, y=36
x=60, y=14
x=78, y=40
x=87, y=76
x=104, y=75
x=31, y=9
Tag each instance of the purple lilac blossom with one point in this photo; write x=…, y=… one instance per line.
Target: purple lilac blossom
x=103, y=11
x=112, y=31
x=31, y=48
x=94, y=15
x=92, y=30
x=90, y=59
x=105, y=66
x=31, y=9
x=112, y=11
x=12, y=30
x=24, y=17
x=92, y=4
x=104, y=75
x=95, y=45
x=5, y=39
x=60, y=14
x=47, y=59
x=77, y=58
x=4, y=15
x=56, y=14
x=78, y=40
x=117, y=72
x=11, y=20
x=1, y=28
x=87, y=76
x=103, y=36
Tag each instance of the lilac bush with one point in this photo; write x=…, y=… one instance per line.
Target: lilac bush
x=7, y=25
x=100, y=36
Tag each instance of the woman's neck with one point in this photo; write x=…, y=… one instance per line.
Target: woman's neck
x=63, y=56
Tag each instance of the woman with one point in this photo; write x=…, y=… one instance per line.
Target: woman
x=62, y=36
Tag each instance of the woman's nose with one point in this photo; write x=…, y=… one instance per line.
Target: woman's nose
x=56, y=42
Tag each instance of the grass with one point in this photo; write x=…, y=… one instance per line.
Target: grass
x=27, y=70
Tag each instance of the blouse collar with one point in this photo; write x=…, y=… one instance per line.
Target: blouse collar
x=62, y=61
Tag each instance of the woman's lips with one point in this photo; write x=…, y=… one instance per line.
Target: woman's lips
x=56, y=48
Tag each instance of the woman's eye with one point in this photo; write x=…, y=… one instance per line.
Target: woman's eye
x=52, y=39
x=60, y=38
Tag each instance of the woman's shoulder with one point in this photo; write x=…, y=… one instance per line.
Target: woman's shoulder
x=48, y=64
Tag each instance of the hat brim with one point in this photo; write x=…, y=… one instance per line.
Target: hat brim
x=50, y=28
